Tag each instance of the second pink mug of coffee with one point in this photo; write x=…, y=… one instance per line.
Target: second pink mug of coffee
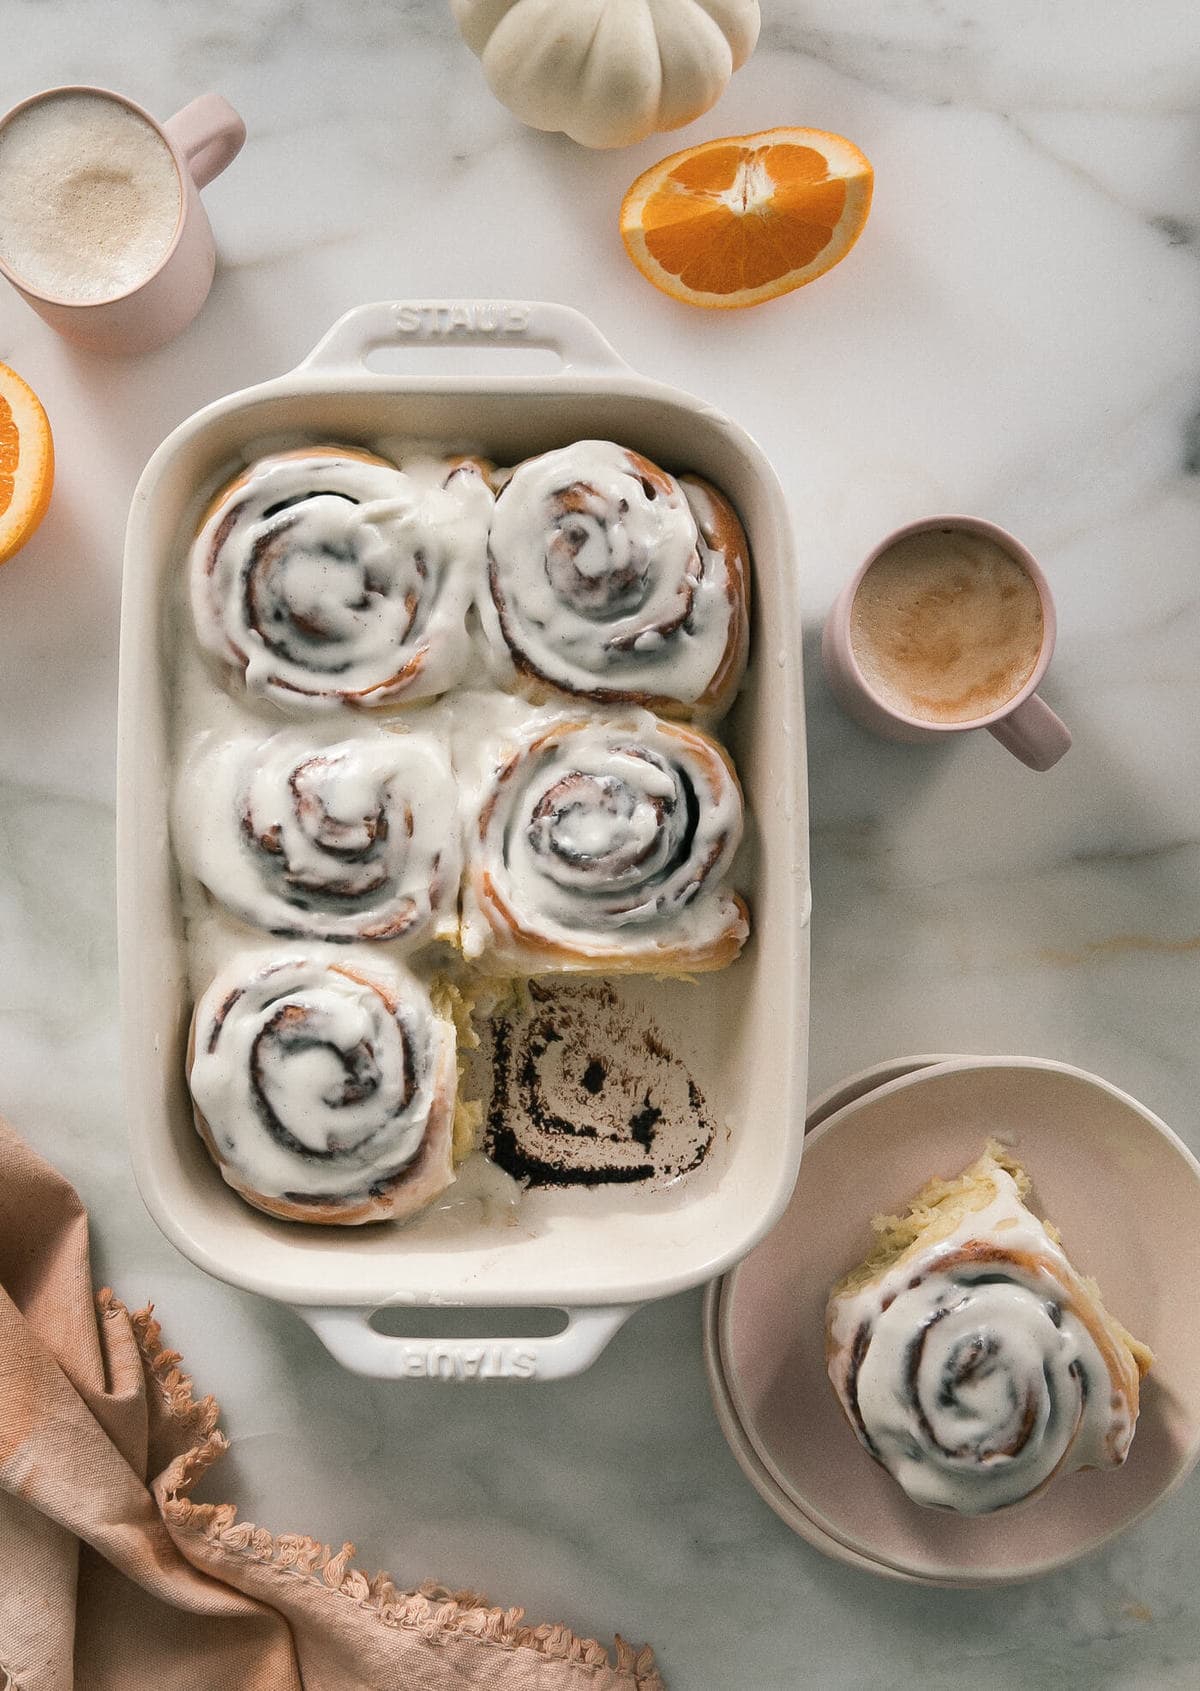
x=947, y=626
x=101, y=226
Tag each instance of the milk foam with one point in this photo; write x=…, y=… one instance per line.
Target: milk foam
x=89, y=198
x=946, y=626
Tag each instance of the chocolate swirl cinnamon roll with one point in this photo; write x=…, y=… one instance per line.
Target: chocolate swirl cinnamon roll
x=613, y=581
x=602, y=845
x=322, y=1092
x=338, y=840
x=970, y=1357
x=327, y=576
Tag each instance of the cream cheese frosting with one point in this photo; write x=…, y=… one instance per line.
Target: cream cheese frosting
x=601, y=835
x=304, y=833
x=314, y=1080
x=329, y=577
x=978, y=1367
x=602, y=582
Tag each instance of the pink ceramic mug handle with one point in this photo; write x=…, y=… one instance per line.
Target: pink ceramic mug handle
x=209, y=134
x=1033, y=733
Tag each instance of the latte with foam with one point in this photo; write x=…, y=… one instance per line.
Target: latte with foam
x=89, y=198
x=946, y=626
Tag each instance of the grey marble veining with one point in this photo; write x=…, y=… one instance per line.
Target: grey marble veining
x=1015, y=335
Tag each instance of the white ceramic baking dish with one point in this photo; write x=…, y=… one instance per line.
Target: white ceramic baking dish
x=743, y=1034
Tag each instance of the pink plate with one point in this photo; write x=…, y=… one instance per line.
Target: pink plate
x=1126, y=1194
x=836, y=1098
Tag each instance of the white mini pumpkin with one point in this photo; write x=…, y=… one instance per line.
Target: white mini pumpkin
x=608, y=72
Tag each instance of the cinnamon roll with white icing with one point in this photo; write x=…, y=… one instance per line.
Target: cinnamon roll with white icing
x=325, y=1093
x=971, y=1359
x=333, y=839
x=327, y=576
x=601, y=844
x=613, y=581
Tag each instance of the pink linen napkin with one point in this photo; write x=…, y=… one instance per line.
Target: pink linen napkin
x=112, y=1580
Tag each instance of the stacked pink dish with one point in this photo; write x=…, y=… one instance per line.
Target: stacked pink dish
x=1125, y=1193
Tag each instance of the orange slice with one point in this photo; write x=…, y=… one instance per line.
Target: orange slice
x=26, y=462
x=737, y=221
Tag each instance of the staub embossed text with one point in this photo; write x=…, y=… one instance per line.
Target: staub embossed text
x=475, y=318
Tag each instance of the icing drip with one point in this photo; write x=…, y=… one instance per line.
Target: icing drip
x=603, y=583
x=328, y=578
x=978, y=1368
x=315, y=1082
x=350, y=839
x=607, y=835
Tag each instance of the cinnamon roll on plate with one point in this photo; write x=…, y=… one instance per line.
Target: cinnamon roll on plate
x=326, y=576
x=325, y=1092
x=611, y=580
x=602, y=844
x=333, y=839
x=1126, y=1192
x=971, y=1359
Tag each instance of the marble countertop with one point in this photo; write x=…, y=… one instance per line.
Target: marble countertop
x=1016, y=335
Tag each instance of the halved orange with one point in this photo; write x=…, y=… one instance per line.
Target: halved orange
x=741, y=220
x=26, y=462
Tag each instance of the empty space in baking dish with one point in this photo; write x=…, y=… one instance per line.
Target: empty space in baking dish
x=741, y=1033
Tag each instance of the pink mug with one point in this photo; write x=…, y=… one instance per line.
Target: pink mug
x=203, y=139
x=1023, y=723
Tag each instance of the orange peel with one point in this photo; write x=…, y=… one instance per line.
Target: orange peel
x=26, y=462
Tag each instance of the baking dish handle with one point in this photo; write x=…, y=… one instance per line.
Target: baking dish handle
x=463, y=322
x=351, y=1340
